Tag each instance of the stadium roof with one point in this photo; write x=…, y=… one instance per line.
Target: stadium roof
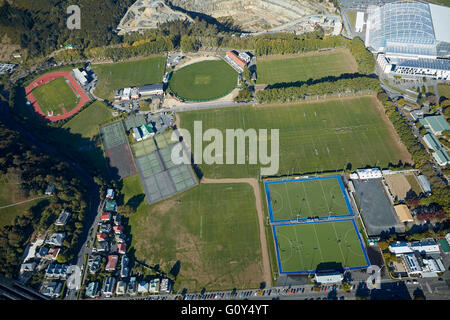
x=393, y=27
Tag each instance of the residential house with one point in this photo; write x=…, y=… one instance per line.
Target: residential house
x=56, y=239
x=111, y=205
x=121, y=288
x=27, y=267
x=165, y=286
x=143, y=287
x=110, y=194
x=56, y=271
x=132, y=286
x=124, y=267
x=112, y=262
x=102, y=236
x=105, y=227
x=63, y=218
x=94, y=263
x=109, y=286
x=51, y=289
x=118, y=229
x=154, y=286
x=52, y=254
x=102, y=246
x=121, y=248
x=92, y=290
x=106, y=216
x=50, y=190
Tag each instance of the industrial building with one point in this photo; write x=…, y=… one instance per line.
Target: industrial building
x=410, y=38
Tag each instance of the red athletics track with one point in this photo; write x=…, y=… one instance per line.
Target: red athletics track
x=47, y=78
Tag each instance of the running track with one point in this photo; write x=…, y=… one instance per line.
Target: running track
x=47, y=78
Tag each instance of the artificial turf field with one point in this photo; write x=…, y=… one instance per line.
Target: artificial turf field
x=305, y=198
x=56, y=95
x=120, y=75
x=202, y=81
x=314, y=137
x=303, y=247
x=217, y=242
x=294, y=68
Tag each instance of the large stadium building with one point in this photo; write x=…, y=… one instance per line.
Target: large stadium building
x=410, y=38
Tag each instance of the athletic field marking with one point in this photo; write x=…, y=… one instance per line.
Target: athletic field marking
x=201, y=226
x=318, y=242
x=289, y=199
x=310, y=210
x=298, y=250
x=339, y=244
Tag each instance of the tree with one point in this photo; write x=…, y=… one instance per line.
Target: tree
x=125, y=210
x=61, y=258
x=187, y=44
x=244, y=95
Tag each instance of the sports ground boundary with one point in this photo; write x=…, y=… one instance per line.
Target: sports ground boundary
x=46, y=78
x=341, y=184
x=280, y=268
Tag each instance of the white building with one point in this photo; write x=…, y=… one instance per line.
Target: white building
x=359, y=22
x=80, y=76
x=371, y=173
x=329, y=277
x=413, y=36
x=126, y=95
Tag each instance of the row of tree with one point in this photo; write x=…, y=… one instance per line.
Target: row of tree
x=327, y=86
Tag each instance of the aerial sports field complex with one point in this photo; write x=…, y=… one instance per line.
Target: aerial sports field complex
x=313, y=225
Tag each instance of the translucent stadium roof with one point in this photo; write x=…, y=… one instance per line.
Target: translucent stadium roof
x=395, y=26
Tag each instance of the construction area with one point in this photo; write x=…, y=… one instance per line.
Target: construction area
x=250, y=15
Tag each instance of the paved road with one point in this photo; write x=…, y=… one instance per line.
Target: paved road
x=22, y=202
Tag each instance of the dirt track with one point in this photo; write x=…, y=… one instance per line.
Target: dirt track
x=262, y=235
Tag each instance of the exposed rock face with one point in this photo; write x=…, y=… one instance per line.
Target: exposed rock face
x=146, y=14
x=250, y=15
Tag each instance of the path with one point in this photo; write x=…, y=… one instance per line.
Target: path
x=262, y=234
x=22, y=202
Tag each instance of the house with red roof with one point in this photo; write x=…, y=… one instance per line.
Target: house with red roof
x=101, y=236
x=106, y=216
x=118, y=229
x=121, y=248
x=112, y=262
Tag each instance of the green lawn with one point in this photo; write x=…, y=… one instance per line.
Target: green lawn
x=120, y=75
x=303, y=199
x=292, y=68
x=444, y=90
x=87, y=121
x=81, y=135
x=56, y=95
x=217, y=242
x=206, y=80
x=7, y=215
x=303, y=247
x=314, y=137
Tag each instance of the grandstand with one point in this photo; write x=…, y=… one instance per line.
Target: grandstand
x=410, y=38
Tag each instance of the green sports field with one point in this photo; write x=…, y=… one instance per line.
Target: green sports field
x=56, y=95
x=314, y=137
x=303, y=199
x=303, y=247
x=292, y=68
x=120, y=75
x=202, y=81
x=216, y=242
